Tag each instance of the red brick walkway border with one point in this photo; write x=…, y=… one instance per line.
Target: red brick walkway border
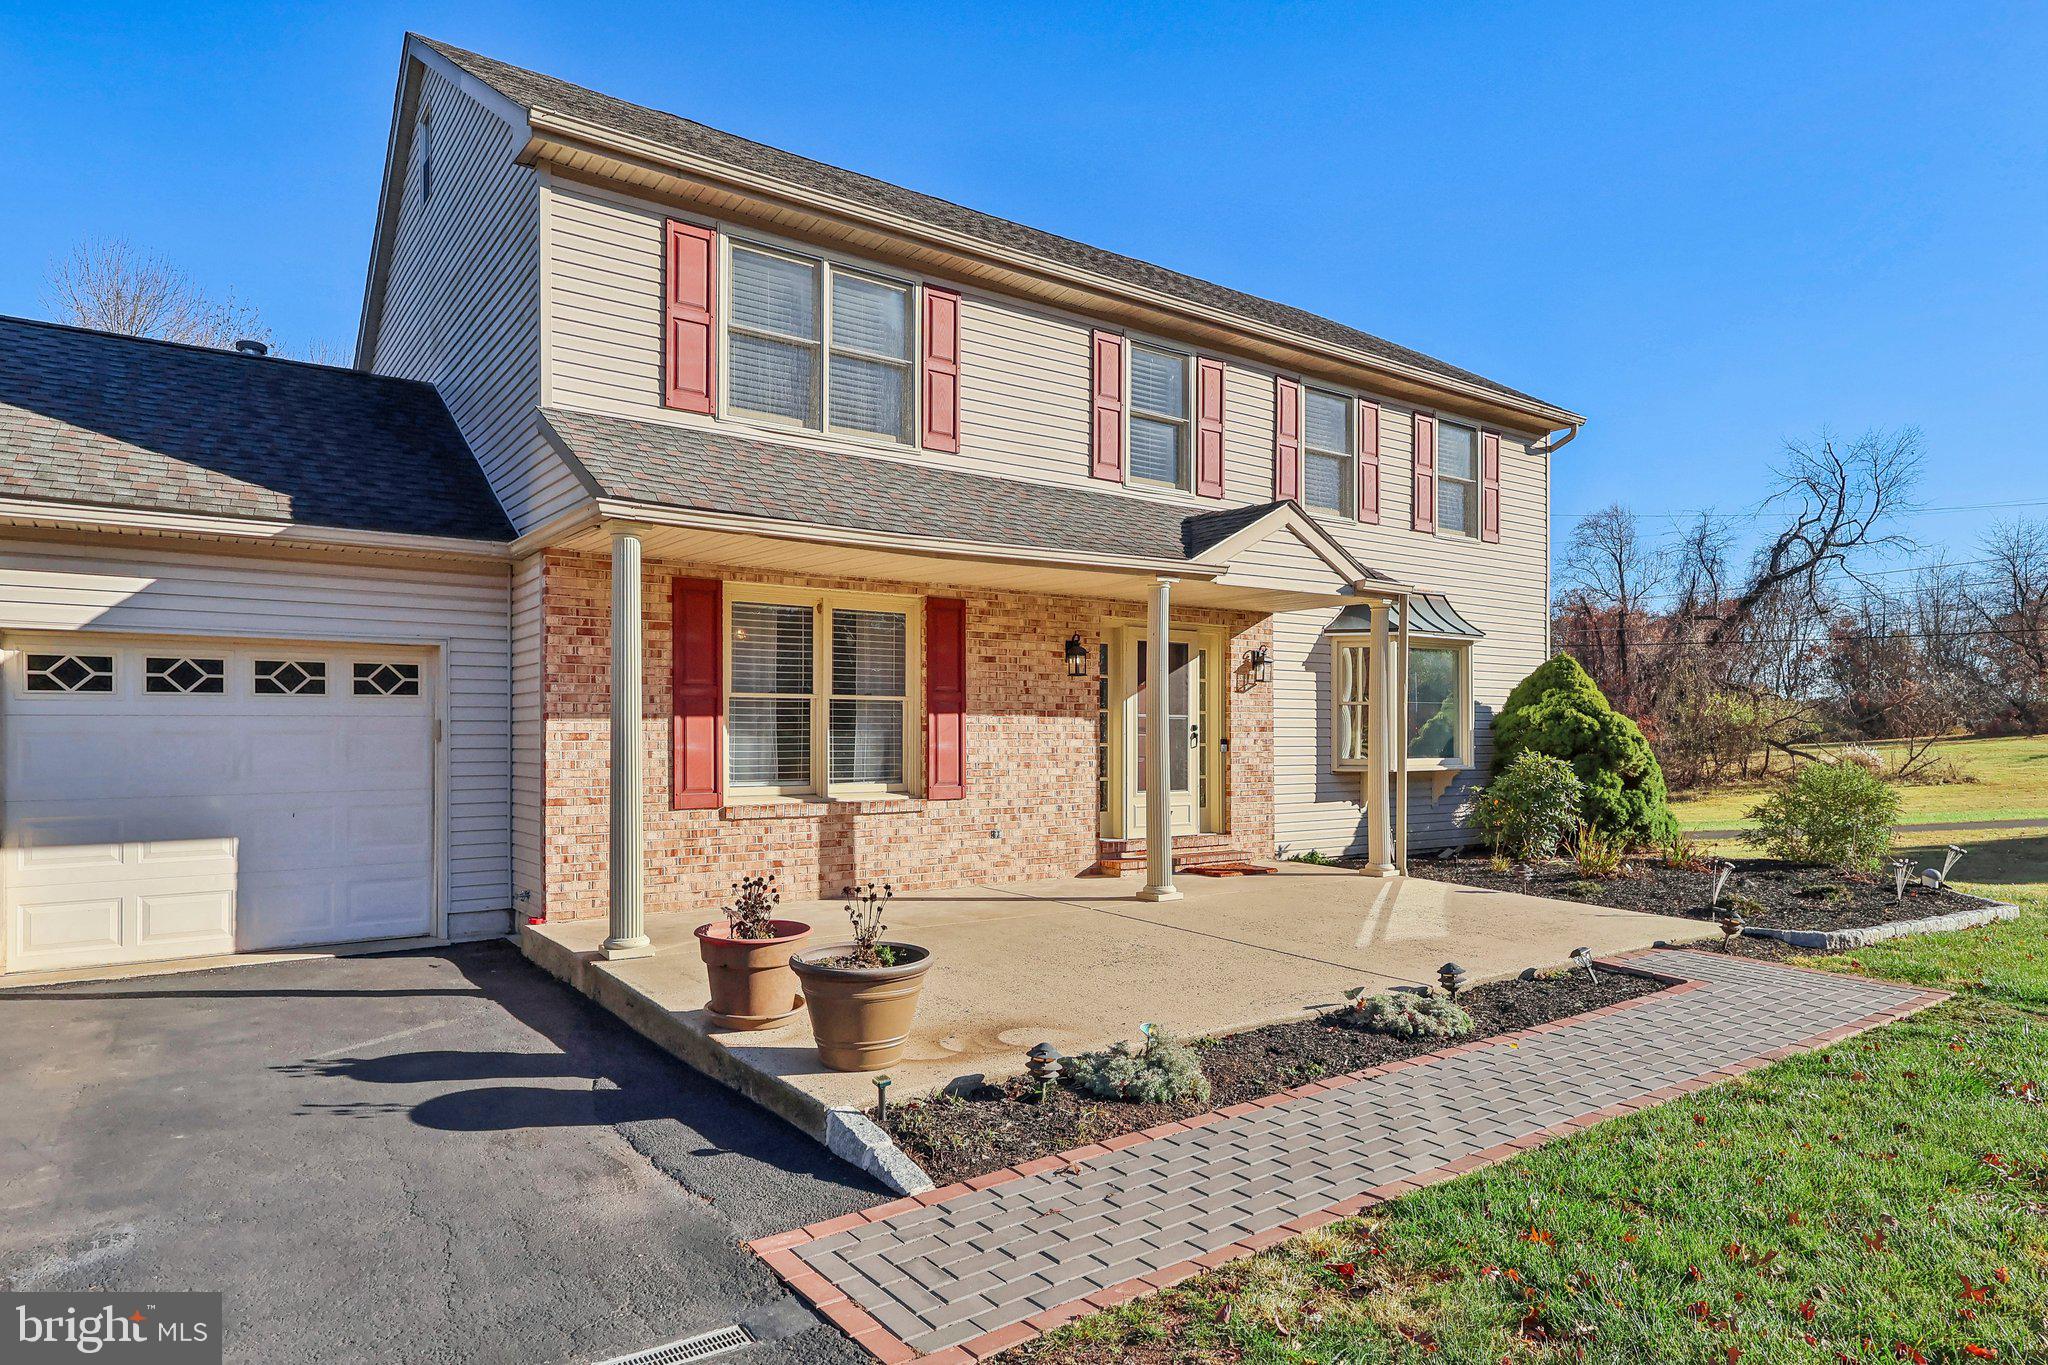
x=884, y=1278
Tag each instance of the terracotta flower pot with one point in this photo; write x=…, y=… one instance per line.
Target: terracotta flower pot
x=860, y=1016
x=751, y=983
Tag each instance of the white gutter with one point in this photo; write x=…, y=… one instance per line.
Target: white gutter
x=86, y=517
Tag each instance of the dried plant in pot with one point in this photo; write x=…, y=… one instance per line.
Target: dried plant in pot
x=862, y=995
x=747, y=958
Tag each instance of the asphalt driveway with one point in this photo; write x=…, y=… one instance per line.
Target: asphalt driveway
x=439, y=1156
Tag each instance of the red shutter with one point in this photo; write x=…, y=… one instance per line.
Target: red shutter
x=1286, y=438
x=945, y=698
x=1209, y=427
x=689, y=359
x=1368, y=461
x=941, y=369
x=1106, y=431
x=697, y=675
x=1489, y=485
x=1425, y=472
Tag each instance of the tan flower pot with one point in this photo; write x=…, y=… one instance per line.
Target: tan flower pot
x=860, y=1016
x=751, y=983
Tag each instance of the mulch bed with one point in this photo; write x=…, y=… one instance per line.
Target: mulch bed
x=956, y=1136
x=1791, y=895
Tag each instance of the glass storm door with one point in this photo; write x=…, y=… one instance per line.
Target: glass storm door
x=1188, y=742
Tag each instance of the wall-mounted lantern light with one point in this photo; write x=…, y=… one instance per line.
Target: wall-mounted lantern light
x=1261, y=665
x=1077, y=657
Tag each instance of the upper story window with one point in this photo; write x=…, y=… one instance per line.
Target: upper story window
x=1159, y=416
x=1457, y=478
x=778, y=365
x=1329, y=457
x=426, y=156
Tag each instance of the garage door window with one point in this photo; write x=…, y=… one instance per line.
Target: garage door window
x=175, y=676
x=291, y=678
x=70, y=672
x=387, y=680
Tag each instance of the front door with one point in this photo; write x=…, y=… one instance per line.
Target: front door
x=1191, y=709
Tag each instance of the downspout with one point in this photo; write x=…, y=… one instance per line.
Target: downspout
x=1551, y=444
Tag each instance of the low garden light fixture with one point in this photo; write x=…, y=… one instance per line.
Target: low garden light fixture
x=1722, y=872
x=1902, y=872
x=1453, y=979
x=1583, y=957
x=1730, y=920
x=882, y=1099
x=1077, y=656
x=1949, y=860
x=1043, y=1062
x=1260, y=664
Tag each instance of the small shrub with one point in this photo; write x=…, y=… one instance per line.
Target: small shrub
x=1580, y=890
x=1407, y=1014
x=1863, y=756
x=1313, y=856
x=751, y=915
x=1749, y=907
x=1681, y=853
x=1159, y=1070
x=1833, y=813
x=1559, y=710
x=1598, y=856
x=1529, y=810
x=1823, y=891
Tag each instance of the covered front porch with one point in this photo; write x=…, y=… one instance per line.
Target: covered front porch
x=1082, y=962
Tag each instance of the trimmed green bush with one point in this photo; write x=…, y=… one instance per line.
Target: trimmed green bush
x=1558, y=710
x=1407, y=1014
x=1531, y=808
x=1836, y=813
x=1159, y=1070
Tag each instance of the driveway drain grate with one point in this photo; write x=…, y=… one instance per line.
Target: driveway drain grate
x=703, y=1346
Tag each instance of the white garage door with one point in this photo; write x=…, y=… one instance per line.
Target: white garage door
x=177, y=798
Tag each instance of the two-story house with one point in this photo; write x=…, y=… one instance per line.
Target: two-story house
x=696, y=509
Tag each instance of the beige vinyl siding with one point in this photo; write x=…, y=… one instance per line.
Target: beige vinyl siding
x=1285, y=563
x=59, y=585
x=462, y=299
x=528, y=741
x=1503, y=589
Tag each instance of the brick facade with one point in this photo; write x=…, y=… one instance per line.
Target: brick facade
x=1030, y=808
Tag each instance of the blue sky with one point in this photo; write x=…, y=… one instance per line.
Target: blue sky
x=1708, y=228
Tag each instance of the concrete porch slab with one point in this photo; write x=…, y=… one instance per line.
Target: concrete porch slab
x=1081, y=962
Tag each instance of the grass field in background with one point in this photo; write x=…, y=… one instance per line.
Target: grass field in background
x=1884, y=1200
x=2011, y=784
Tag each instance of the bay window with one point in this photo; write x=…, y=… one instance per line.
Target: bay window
x=818, y=692
x=782, y=309
x=1439, y=715
x=1329, y=453
x=1159, y=416
x=1351, y=701
x=1457, y=478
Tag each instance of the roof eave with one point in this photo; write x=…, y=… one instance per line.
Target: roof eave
x=553, y=132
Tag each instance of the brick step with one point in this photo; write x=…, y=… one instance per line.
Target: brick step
x=1130, y=857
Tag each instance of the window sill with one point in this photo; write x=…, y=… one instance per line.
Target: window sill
x=818, y=807
x=1438, y=765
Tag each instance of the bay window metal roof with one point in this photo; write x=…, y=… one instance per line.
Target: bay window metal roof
x=1434, y=617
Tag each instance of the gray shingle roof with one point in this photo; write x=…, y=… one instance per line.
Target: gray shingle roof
x=697, y=469
x=532, y=90
x=116, y=421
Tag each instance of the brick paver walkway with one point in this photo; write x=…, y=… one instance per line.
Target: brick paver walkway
x=965, y=1271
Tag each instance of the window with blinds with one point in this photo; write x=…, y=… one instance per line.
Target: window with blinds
x=769, y=713
x=1159, y=416
x=819, y=693
x=1351, y=701
x=1457, y=478
x=1329, y=453
x=780, y=363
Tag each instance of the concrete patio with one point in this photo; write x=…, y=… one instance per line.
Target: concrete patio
x=1082, y=962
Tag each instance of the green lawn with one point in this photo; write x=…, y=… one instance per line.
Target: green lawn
x=2011, y=784
x=1884, y=1198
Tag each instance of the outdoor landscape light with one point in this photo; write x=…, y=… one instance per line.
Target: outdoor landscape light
x=1453, y=979
x=882, y=1099
x=1948, y=863
x=1722, y=873
x=1730, y=921
x=1261, y=665
x=1902, y=872
x=1043, y=1062
x=1584, y=957
x=1077, y=657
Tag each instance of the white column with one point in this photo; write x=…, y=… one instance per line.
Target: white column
x=1159, y=762
x=1401, y=748
x=628, y=937
x=1383, y=733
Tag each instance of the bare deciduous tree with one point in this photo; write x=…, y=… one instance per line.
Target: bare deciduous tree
x=2011, y=608
x=1612, y=575
x=109, y=285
